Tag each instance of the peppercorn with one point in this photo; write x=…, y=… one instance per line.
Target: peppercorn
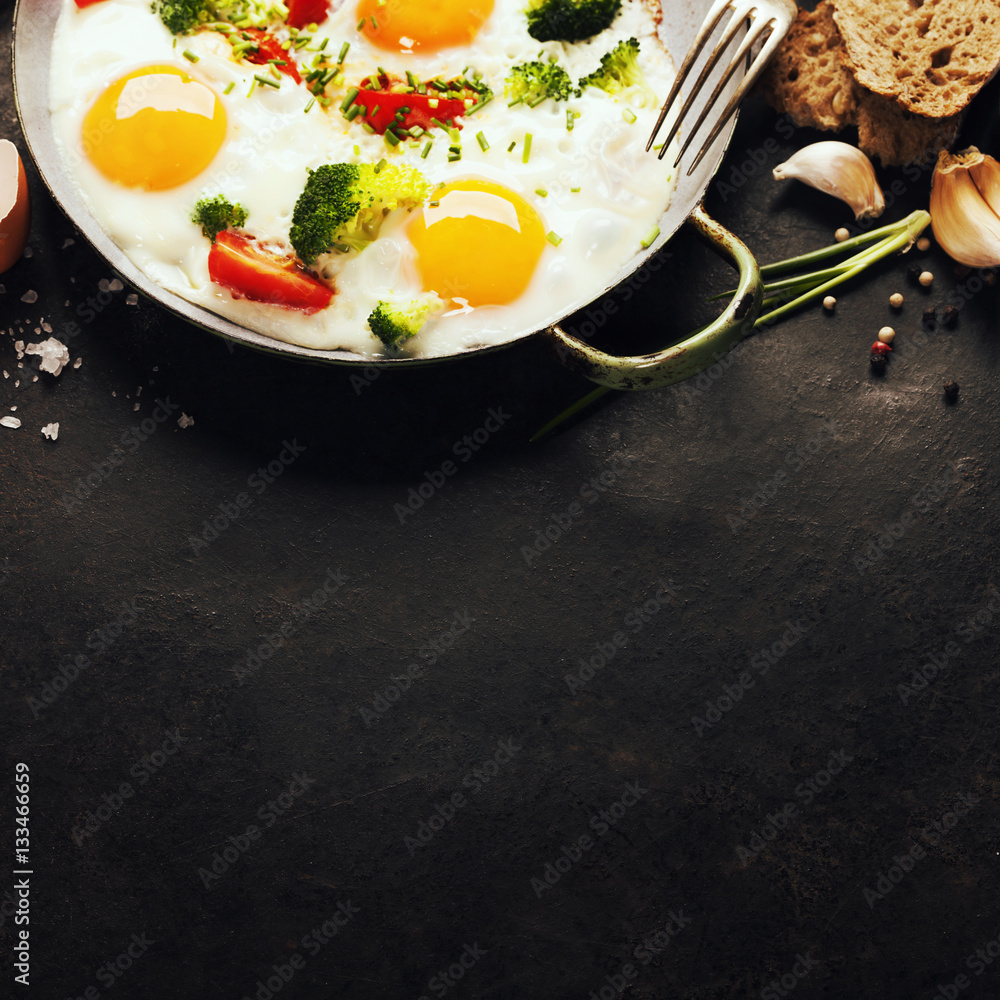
x=929, y=320
x=880, y=347
x=913, y=272
x=877, y=362
x=951, y=391
x=887, y=335
x=926, y=279
x=949, y=315
x=896, y=300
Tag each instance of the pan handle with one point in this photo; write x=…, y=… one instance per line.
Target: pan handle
x=691, y=356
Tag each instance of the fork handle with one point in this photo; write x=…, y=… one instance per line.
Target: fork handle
x=693, y=355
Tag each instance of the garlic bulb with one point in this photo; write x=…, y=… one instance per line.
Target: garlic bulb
x=838, y=169
x=965, y=207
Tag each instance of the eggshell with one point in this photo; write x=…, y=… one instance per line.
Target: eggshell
x=15, y=206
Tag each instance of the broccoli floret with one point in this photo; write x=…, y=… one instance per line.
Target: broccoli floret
x=343, y=204
x=183, y=16
x=619, y=69
x=395, y=322
x=534, y=82
x=570, y=20
x=216, y=214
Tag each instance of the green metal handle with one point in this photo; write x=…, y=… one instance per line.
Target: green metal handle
x=691, y=356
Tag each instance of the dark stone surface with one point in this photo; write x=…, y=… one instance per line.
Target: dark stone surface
x=833, y=454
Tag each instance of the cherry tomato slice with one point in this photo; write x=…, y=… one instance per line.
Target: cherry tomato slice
x=87, y=3
x=303, y=12
x=447, y=111
x=268, y=48
x=250, y=272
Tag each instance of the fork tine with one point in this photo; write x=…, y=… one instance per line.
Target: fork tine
x=755, y=70
x=734, y=28
x=711, y=23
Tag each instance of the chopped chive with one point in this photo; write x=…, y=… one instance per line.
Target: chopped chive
x=360, y=24
x=266, y=81
x=368, y=128
x=425, y=152
x=375, y=111
x=570, y=120
x=229, y=87
x=510, y=148
x=253, y=87
x=526, y=155
x=541, y=192
x=353, y=111
x=650, y=238
x=323, y=45
x=190, y=56
x=357, y=150
x=374, y=22
x=629, y=115
x=481, y=139
x=455, y=135
x=575, y=190
x=381, y=165
x=554, y=239
x=349, y=98
x=453, y=157
x=312, y=101
x=344, y=49
x=390, y=137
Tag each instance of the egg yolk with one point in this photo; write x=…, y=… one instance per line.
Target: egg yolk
x=481, y=242
x=422, y=25
x=154, y=128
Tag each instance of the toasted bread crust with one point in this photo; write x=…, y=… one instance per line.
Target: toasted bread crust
x=931, y=57
x=810, y=80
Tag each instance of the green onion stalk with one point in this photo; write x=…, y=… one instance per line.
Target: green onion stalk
x=787, y=287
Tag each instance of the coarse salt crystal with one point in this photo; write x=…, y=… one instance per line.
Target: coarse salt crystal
x=78, y=362
x=47, y=327
x=30, y=296
x=18, y=345
x=51, y=431
x=132, y=300
x=12, y=422
x=67, y=243
x=28, y=252
x=115, y=286
x=53, y=353
x=135, y=409
x=185, y=421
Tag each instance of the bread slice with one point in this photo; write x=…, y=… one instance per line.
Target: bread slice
x=809, y=80
x=931, y=56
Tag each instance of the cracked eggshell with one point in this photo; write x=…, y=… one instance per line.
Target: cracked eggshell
x=15, y=206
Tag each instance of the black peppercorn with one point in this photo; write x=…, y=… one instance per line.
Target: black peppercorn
x=951, y=391
x=949, y=315
x=877, y=362
x=929, y=321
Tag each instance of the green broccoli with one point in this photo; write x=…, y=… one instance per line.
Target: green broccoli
x=534, y=82
x=343, y=204
x=183, y=16
x=216, y=214
x=570, y=20
x=395, y=322
x=619, y=69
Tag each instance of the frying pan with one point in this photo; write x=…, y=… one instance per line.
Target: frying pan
x=34, y=26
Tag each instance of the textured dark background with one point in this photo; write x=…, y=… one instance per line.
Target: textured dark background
x=690, y=460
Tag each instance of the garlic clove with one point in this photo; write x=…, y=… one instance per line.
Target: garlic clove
x=986, y=174
x=838, y=169
x=965, y=226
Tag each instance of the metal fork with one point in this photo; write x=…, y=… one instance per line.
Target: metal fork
x=761, y=16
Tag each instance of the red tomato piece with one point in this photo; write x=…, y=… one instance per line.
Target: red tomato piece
x=87, y=3
x=448, y=110
x=250, y=272
x=268, y=48
x=303, y=12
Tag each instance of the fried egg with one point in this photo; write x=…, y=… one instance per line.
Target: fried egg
x=544, y=206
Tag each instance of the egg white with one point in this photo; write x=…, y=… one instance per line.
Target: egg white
x=272, y=142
